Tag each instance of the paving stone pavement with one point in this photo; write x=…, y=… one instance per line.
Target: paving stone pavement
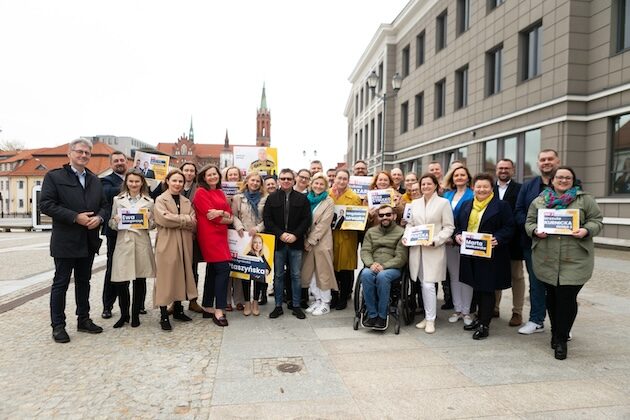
x=202, y=371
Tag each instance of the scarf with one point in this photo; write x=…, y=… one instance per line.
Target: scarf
x=478, y=208
x=315, y=199
x=552, y=200
x=253, y=198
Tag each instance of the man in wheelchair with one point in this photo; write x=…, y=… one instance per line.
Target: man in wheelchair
x=384, y=255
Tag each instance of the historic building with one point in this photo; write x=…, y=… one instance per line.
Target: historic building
x=482, y=80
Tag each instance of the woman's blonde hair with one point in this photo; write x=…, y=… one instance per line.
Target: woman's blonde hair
x=319, y=175
x=249, y=175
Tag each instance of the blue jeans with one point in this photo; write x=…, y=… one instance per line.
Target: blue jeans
x=292, y=257
x=536, y=291
x=376, y=288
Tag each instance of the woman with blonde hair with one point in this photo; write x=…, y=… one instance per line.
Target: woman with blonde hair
x=247, y=208
x=318, y=272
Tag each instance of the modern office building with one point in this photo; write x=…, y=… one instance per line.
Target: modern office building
x=127, y=145
x=487, y=79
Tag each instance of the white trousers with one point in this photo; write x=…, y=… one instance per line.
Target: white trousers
x=429, y=297
x=323, y=295
x=462, y=293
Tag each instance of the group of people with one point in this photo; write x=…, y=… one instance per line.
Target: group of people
x=192, y=215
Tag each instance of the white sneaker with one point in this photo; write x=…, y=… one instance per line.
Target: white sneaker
x=468, y=320
x=322, y=309
x=455, y=317
x=313, y=306
x=531, y=328
x=430, y=329
x=422, y=324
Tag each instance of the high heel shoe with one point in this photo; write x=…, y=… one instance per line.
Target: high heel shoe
x=121, y=321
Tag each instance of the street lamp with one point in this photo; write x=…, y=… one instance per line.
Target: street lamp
x=372, y=80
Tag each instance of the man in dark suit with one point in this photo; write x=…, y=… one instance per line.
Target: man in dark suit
x=507, y=190
x=73, y=197
x=147, y=171
x=111, y=188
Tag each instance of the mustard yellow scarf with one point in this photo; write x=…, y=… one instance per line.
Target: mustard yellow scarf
x=478, y=208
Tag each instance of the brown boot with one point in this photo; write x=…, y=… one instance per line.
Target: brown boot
x=255, y=308
x=193, y=306
x=516, y=320
x=247, y=309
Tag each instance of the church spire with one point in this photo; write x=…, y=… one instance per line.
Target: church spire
x=226, y=142
x=263, y=99
x=191, y=133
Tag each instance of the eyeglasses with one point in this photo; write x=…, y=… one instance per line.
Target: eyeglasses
x=382, y=215
x=285, y=179
x=82, y=152
x=564, y=178
x=305, y=178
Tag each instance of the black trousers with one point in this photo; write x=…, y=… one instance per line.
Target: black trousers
x=485, y=303
x=109, y=290
x=216, y=284
x=139, y=291
x=247, y=284
x=64, y=267
x=562, y=308
x=345, y=278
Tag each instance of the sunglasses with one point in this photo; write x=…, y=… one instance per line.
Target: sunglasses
x=382, y=215
x=285, y=179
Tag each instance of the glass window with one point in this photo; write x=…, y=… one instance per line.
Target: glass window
x=379, y=129
x=509, y=149
x=21, y=185
x=461, y=87
x=493, y=4
x=419, y=110
x=490, y=156
x=380, y=77
x=623, y=24
x=440, y=31
x=531, y=51
x=440, y=98
x=532, y=148
x=621, y=155
x=420, y=49
x=21, y=203
x=404, y=117
x=405, y=61
x=463, y=16
x=494, y=70
x=372, y=138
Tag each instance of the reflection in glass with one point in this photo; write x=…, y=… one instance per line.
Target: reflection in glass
x=490, y=156
x=532, y=148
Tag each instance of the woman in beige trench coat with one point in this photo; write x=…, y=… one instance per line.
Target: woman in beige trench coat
x=176, y=222
x=427, y=263
x=318, y=272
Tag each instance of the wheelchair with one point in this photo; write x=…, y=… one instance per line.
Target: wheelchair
x=401, y=306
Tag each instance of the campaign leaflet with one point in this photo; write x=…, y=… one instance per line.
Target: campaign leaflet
x=153, y=166
x=418, y=235
x=558, y=222
x=378, y=197
x=476, y=244
x=231, y=188
x=252, y=256
x=255, y=158
x=349, y=218
x=133, y=218
x=360, y=185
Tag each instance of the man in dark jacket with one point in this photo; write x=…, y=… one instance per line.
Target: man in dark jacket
x=287, y=216
x=548, y=162
x=111, y=188
x=507, y=190
x=73, y=197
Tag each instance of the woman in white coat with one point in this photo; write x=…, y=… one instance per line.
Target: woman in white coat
x=427, y=263
x=133, y=257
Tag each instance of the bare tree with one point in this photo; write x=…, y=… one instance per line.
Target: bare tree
x=7, y=145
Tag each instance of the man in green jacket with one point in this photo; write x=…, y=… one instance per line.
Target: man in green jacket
x=383, y=254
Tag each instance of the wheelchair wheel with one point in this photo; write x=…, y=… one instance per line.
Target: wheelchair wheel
x=358, y=303
x=408, y=311
x=400, y=309
x=355, y=324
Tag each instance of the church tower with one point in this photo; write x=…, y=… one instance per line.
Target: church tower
x=263, y=122
x=226, y=157
x=191, y=133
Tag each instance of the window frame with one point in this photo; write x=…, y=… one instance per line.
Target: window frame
x=441, y=30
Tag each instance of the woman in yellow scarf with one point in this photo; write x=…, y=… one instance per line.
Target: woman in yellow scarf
x=485, y=214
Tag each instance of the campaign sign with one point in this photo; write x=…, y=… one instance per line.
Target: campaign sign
x=254, y=158
x=133, y=218
x=418, y=235
x=252, y=256
x=153, y=166
x=378, y=197
x=558, y=222
x=231, y=188
x=360, y=184
x=349, y=218
x=407, y=212
x=476, y=244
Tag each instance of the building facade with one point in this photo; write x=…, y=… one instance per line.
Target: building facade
x=127, y=145
x=483, y=80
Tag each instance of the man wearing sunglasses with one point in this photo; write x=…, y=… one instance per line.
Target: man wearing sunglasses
x=383, y=254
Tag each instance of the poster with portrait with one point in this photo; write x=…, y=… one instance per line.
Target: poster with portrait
x=558, y=222
x=153, y=166
x=418, y=235
x=252, y=256
x=349, y=218
x=476, y=244
x=360, y=184
x=377, y=198
x=254, y=158
x=133, y=218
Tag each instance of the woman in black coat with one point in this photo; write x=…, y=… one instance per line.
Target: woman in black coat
x=486, y=213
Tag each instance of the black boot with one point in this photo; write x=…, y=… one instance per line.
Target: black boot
x=178, y=312
x=164, y=322
x=263, y=294
x=448, y=298
x=139, y=290
x=123, y=301
x=481, y=333
x=561, y=350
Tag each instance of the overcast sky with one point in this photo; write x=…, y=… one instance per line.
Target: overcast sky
x=142, y=68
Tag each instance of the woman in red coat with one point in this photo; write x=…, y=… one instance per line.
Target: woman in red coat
x=214, y=215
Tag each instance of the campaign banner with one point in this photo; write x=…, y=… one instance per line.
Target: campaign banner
x=378, y=197
x=254, y=158
x=231, y=188
x=418, y=235
x=349, y=218
x=133, y=218
x=360, y=184
x=476, y=244
x=558, y=222
x=407, y=212
x=252, y=256
x=153, y=166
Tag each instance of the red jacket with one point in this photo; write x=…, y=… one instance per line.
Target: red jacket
x=211, y=234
